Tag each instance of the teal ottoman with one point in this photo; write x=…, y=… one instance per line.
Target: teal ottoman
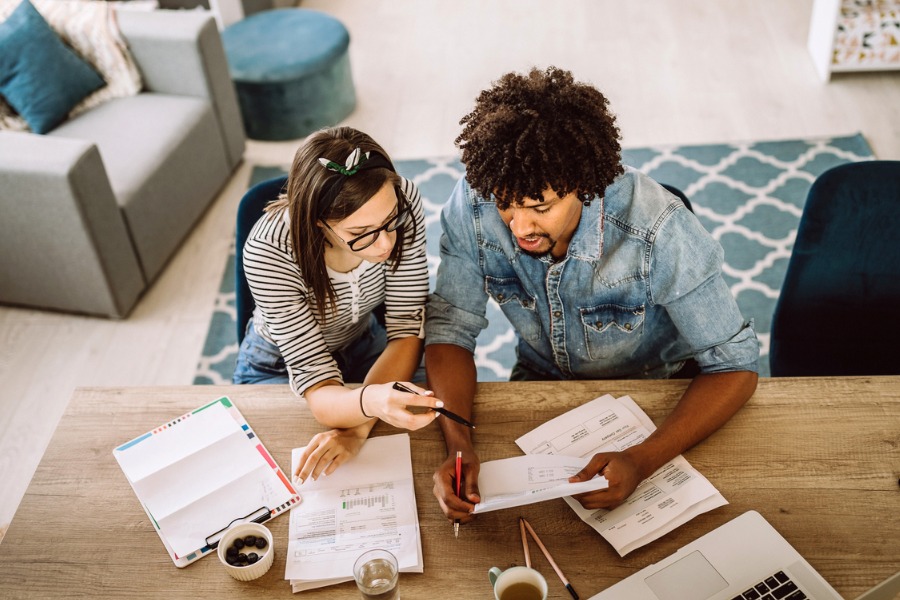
x=291, y=71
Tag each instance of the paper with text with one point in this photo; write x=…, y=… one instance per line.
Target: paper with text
x=369, y=502
x=672, y=496
x=528, y=479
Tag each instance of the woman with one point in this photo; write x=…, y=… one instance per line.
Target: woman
x=346, y=238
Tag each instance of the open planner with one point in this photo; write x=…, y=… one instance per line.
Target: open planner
x=200, y=473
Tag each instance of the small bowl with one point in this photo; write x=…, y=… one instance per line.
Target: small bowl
x=266, y=555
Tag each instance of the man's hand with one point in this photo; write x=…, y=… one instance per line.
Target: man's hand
x=451, y=373
x=621, y=471
x=445, y=487
x=707, y=404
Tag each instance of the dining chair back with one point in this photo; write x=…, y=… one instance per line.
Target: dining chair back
x=249, y=211
x=839, y=308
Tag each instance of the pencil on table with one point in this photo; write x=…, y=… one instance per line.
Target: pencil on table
x=552, y=562
x=525, y=542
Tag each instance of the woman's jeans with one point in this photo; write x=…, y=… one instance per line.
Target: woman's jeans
x=260, y=361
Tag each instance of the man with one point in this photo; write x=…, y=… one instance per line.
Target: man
x=601, y=271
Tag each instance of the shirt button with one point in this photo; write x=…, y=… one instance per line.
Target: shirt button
x=628, y=326
x=599, y=324
x=557, y=314
x=500, y=297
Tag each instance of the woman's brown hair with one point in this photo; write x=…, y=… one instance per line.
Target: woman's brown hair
x=308, y=181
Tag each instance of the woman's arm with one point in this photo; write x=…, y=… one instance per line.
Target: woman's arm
x=335, y=405
x=398, y=362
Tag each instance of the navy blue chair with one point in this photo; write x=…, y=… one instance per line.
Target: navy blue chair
x=839, y=308
x=249, y=211
x=674, y=190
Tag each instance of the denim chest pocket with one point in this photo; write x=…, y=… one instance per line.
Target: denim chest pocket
x=517, y=304
x=611, y=329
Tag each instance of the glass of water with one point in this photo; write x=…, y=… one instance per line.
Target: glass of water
x=377, y=575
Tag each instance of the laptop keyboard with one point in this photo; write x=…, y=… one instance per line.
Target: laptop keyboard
x=777, y=587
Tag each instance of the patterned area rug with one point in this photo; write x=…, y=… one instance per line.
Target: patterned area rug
x=748, y=195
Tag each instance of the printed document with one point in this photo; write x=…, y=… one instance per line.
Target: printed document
x=528, y=479
x=673, y=495
x=369, y=502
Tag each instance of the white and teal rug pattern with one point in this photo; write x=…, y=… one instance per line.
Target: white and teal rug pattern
x=748, y=195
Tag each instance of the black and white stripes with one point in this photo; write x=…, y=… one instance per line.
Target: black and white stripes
x=285, y=312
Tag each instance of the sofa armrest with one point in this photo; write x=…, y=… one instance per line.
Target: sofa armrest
x=63, y=241
x=181, y=53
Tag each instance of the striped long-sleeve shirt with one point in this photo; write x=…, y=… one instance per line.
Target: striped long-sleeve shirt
x=286, y=314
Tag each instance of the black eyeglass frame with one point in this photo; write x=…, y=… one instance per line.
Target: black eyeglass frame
x=400, y=219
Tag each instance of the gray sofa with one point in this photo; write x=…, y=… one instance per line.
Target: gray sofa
x=91, y=212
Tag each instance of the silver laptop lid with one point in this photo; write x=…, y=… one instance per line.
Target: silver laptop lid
x=725, y=563
x=889, y=589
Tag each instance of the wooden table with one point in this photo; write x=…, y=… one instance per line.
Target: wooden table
x=818, y=457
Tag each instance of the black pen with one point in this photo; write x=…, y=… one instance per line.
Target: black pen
x=449, y=414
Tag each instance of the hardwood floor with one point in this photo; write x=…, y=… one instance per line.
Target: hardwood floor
x=675, y=71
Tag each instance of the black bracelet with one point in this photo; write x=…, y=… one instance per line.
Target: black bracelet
x=361, y=409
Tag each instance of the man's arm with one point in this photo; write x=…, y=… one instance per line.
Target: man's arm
x=452, y=375
x=686, y=278
x=454, y=316
x=707, y=404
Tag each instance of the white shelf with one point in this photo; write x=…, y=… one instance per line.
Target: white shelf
x=854, y=35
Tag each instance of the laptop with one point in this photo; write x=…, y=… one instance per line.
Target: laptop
x=744, y=559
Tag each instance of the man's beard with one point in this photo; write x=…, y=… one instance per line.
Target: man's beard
x=542, y=252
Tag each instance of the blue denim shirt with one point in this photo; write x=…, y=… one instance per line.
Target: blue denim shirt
x=639, y=291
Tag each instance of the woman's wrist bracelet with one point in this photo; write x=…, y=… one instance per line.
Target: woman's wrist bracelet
x=361, y=409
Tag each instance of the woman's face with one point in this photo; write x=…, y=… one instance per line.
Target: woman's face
x=370, y=222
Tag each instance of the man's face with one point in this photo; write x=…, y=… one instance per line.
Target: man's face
x=544, y=227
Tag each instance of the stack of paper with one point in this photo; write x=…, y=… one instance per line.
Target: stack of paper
x=673, y=495
x=369, y=502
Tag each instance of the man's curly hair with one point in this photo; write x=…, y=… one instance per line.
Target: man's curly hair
x=542, y=129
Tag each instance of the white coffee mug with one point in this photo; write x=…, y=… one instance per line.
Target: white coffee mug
x=521, y=582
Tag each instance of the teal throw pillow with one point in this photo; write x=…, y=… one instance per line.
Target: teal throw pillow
x=41, y=77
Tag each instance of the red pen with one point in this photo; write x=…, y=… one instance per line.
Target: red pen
x=458, y=487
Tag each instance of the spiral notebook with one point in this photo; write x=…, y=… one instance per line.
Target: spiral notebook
x=199, y=474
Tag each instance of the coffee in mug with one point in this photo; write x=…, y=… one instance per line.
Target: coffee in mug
x=522, y=590
x=518, y=583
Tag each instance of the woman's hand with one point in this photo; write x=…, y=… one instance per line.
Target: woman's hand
x=328, y=450
x=390, y=405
